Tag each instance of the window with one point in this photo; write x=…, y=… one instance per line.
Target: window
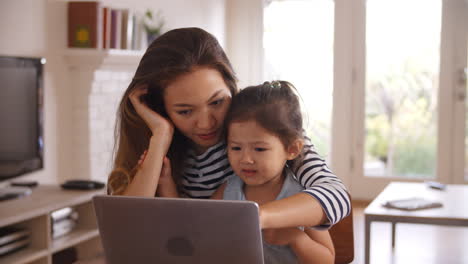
x=298, y=43
x=402, y=79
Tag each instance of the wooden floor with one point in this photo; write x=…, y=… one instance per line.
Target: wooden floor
x=414, y=243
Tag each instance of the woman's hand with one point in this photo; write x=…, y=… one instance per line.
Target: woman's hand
x=155, y=122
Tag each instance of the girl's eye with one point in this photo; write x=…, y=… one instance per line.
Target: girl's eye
x=235, y=148
x=217, y=102
x=184, y=112
x=260, y=149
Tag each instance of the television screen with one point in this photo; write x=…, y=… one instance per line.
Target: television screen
x=21, y=116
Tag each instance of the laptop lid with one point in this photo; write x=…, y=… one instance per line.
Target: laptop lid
x=165, y=230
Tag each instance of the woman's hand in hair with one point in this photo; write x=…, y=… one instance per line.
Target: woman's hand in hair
x=156, y=123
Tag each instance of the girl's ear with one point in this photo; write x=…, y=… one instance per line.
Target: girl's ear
x=295, y=148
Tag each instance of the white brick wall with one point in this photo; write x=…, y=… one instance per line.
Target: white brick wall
x=98, y=81
x=107, y=89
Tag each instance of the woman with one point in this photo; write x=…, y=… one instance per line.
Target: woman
x=175, y=106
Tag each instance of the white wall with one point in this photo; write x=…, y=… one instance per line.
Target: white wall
x=244, y=47
x=37, y=28
x=26, y=30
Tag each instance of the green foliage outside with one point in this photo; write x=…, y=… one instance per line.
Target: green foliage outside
x=400, y=121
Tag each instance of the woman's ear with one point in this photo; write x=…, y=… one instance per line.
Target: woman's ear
x=295, y=148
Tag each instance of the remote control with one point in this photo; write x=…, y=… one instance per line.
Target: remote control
x=30, y=184
x=436, y=185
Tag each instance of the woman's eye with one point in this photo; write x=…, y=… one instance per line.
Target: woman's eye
x=184, y=112
x=235, y=148
x=217, y=102
x=260, y=149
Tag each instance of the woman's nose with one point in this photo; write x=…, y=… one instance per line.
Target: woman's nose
x=206, y=120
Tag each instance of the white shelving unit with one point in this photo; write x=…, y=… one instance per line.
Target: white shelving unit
x=102, y=58
x=33, y=212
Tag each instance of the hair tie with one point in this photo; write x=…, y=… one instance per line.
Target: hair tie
x=276, y=84
x=273, y=84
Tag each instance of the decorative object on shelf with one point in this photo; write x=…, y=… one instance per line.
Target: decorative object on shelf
x=82, y=185
x=153, y=24
x=63, y=221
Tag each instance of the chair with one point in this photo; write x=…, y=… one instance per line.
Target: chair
x=342, y=235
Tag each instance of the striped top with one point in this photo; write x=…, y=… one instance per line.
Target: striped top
x=204, y=173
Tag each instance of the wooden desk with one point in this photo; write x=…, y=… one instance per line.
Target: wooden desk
x=453, y=213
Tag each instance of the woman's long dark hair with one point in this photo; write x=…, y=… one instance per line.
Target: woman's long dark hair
x=173, y=54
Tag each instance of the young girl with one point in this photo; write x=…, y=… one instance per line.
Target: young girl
x=264, y=137
x=175, y=106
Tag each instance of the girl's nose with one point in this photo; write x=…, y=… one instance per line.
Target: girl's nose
x=246, y=158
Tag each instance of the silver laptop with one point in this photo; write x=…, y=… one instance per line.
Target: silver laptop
x=172, y=231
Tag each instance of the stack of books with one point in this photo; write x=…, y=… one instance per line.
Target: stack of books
x=63, y=221
x=92, y=25
x=13, y=239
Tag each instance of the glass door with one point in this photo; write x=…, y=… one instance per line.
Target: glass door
x=406, y=121
x=402, y=80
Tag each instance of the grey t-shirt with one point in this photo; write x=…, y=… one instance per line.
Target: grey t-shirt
x=272, y=254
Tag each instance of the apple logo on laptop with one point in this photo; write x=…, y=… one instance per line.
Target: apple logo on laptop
x=179, y=246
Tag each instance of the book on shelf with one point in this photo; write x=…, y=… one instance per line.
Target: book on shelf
x=63, y=221
x=125, y=29
x=14, y=246
x=63, y=227
x=64, y=213
x=106, y=21
x=84, y=24
x=11, y=234
x=115, y=28
x=134, y=32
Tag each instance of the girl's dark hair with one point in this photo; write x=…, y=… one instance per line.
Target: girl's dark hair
x=274, y=106
x=173, y=54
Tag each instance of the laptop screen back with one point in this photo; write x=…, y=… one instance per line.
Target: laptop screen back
x=163, y=230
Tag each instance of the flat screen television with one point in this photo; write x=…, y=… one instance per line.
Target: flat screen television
x=21, y=116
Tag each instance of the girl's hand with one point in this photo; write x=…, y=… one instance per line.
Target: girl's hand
x=155, y=122
x=282, y=236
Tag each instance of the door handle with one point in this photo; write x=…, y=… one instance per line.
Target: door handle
x=461, y=91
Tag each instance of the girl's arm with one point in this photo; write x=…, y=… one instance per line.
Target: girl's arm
x=310, y=246
x=314, y=246
x=323, y=203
